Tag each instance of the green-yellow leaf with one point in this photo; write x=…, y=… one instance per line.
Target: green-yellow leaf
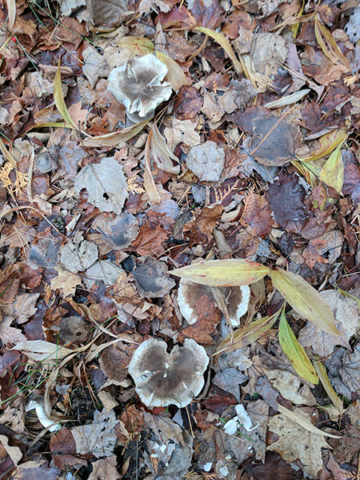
x=304, y=299
x=7, y=154
x=327, y=144
x=295, y=352
x=137, y=45
x=224, y=43
x=223, y=273
x=115, y=138
x=247, y=335
x=60, y=102
x=332, y=173
x=321, y=371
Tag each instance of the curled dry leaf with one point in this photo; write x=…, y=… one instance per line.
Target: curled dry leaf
x=40, y=351
x=152, y=279
x=304, y=299
x=160, y=152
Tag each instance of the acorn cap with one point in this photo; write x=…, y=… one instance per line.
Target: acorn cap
x=162, y=378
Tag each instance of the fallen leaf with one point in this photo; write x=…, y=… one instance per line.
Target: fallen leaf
x=347, y=321
x=65, y=281
x=63, y=449
x=95, y=66
x=332, y=173
x=181, y=132
x=40, y=351
x=22, y=308
x=150, y=240
x=290, y=386
x=160, y=152
x=152, y=279
x=223, y=273
x=295, y=352
x=60, y=102
x=268, y=52
x=296, y=442
x=105, y=468
x=13, y=452
x=99, y=437
x=323, y=376
x=8, y=334
x=206, y=161
x=78, y=254
x=188, y=103
x=105, y=183
x=304, y=299
x=273, y=140
x=104, y=12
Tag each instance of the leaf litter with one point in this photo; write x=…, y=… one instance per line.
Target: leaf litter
x=234, y=166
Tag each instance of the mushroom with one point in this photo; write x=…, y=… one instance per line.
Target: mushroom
x=163, y=378
x=138, y=86
x=37, y=403
x=236, y=300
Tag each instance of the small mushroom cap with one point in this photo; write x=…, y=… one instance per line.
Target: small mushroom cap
x=138, y=85
x=189, y=293
x=163, y=378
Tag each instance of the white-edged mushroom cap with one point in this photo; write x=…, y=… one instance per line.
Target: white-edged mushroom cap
x=163, y=378
x=139, y=86
x=189, y=293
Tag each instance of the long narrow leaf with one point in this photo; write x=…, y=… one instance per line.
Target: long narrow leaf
x=321, y=371
x=295, y=352
x=223, y=273
x=60, y=102
x=328, y=45
x=327, y=144
x=11, y=6
x=304, y=299
x=115, y=138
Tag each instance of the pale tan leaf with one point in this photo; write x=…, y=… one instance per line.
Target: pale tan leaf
x=11, y=6
x=149, y=183
x=302, y=420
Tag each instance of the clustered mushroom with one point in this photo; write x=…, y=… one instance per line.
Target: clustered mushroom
x=139, y=86
x=162, y=378
x=236, y=300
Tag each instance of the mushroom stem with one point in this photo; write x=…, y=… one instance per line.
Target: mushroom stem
x=221, y=303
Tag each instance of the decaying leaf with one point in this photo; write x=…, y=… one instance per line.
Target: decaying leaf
x=105, y=183
x=40, y=351
x=78, y=254
x=152, y=279
x=105, y=12
x=332, y=173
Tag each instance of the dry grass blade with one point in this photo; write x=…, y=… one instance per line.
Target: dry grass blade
x=149, y=183
x=328, y=45
x=7, y=154
x=60, y=102
x=117, y=138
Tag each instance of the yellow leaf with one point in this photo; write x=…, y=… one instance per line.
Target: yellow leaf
x=328, y=45
x=304, y=299
x=60, y=102
x=321, y=371
x=115, y=138
x=247, y=335
x=327, y=144
x=224, y=43
x=175, y=75
x=223, y=273
x=295, y=352
x=332, y=173
x=11, y=7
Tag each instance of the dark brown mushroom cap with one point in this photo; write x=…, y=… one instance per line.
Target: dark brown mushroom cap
x=189, y=293
x=163, y=378
x=138, y=85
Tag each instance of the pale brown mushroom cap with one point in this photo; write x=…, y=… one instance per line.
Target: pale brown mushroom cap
x=139, y=86
x=163, y=378
x=189, y=293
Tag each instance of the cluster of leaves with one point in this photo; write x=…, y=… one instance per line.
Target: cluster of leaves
x=253, y=161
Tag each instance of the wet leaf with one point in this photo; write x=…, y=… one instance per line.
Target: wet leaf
x=224, y=43
x=321, y=371
x=304, y=299
x=60, y=102
x=295, y=352
x=332, y=173
x=223, y=273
